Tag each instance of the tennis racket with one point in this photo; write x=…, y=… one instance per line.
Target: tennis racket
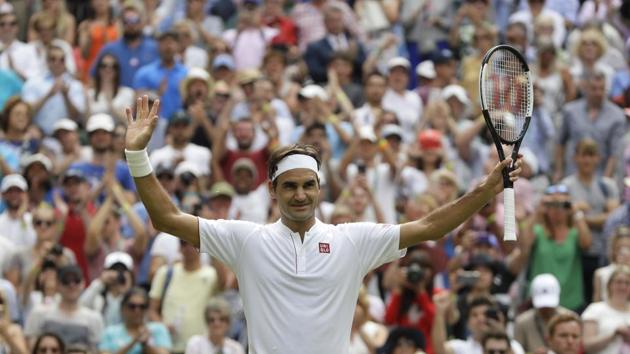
x=506, y=92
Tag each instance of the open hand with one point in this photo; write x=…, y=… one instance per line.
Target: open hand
x=140, y=128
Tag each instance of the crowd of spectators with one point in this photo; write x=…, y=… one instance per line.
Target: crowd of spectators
x=387, y=91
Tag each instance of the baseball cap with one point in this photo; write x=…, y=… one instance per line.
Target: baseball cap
x=248, y=76
x=246, y=163
x=455, y=91
x=312, y=91
x=73, y=173
x=13, y=180
x=70, y=270
x=545, y=291
x=118, y=257
x=426, y=69
x=391, y=129
x=187, y=166
x=443, y=56
x=430, y=139
x=221, y=189
x=179, y=117
x=37, y=158
x=65, y=124
x=486, y=239
x=168, y=34
x=480, y=260
x=398, y=62
x=223, y=61
x=100, y=121
x=367, y=133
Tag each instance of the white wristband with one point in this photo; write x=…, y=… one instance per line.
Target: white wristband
x=138, y=162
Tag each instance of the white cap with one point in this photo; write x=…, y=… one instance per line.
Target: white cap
x=13, y=180
x=118, y=257
x=426, y=69
x=187, y=166
x=398, y=61
x=366, y=132
x=65, y=124
x=545, y=291
x=312, y=91
x=391, y=129
x=39, y=157
x=100, y=121
x=457, y=91
x=197, y=74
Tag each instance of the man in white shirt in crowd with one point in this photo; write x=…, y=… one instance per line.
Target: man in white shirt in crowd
x=16, y=223
x=405, y=103
x=56, y=94
x=250, y=202
x=16, y=55
x=179, y=148
x=295, y=297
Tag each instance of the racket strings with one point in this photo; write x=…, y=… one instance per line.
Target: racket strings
x=506, y=94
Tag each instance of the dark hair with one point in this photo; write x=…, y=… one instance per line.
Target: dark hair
x=562, y=318
x=97, y=77
x=62, y=345
x=494, y=334
x=314, y=126
x=481, y=300
x=367, y=76
x=282, y=152
x=11, y=103
x=422, y=258
x=136, y=290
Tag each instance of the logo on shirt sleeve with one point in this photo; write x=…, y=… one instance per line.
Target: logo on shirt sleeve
x=324, y=247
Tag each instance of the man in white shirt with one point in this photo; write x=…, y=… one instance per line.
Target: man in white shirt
x=17, y=56
x=370, y=112
x=299, y=277
x=251, y=203
x=16, y=222
x=405, y=103
x=179, y=147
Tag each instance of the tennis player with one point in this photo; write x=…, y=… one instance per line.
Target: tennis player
x=299, y=277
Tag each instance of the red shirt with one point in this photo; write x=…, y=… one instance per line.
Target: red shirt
x=258, y=157
x=423, y=322
x=74, y=235
x=287, y=30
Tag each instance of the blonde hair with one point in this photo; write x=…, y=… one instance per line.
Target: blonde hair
x=621, y=233
x=595, y=36
x=619, y=270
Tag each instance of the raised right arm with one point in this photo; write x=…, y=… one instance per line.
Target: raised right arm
x=164, y=214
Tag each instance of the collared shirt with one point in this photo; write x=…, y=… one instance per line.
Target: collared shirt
x=249, y=45
x=408, y=109
x=299, y=296
x=24, y=58
x=129, y=59
x=54, y=108
x=150, y=77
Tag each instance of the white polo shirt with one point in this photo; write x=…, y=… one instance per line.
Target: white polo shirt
x=299, y=297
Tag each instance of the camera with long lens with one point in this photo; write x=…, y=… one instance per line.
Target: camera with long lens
x=415, y=273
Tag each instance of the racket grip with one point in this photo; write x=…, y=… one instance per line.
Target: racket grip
x=509, y=221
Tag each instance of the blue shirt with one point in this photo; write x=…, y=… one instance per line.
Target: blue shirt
x=116, y=337
x=129, y=59
x=11, y=86
x=621, y=81
x=94, y=173
x=150, y=77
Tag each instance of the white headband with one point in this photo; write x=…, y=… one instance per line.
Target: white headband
x=294, y=161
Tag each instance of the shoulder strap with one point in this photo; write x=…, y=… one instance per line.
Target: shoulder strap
x=167, y=282
x=603, y=187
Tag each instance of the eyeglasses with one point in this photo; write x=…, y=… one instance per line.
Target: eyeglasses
x=557, y=189
x=222, y=95
x=213, y=319
x=46, y=223
x=70, y=281
x=134, y=307
x=56, y=59
x=558, y=204
x=8, y=24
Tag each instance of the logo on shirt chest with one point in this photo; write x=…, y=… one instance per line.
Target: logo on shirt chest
x=324, y=247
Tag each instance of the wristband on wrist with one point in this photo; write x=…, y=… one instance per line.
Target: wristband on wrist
x=138, y=162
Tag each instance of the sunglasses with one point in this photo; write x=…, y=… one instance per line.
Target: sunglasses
x=134, y=307
x=496, y=351
x=108, y=65
x=56, y=59
x=558, y=204
x=213, y=319
x=46, y=223
x=8, y=24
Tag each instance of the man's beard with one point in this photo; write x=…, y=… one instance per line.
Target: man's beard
x=101, y=150
x=131, y=36
x=244, y=145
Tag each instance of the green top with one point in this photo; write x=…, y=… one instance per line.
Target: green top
x=563, y=260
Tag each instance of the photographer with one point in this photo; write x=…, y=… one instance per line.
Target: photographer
x=106, y=292
x=410, y=303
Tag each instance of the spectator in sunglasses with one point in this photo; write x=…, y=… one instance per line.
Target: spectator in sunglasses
x=108, y=94
x=217, y=315
x=67, y=318
x=552, y=240
x=135, y=335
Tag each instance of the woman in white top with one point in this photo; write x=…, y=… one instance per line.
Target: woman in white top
x=217, y=315
x=607, y=323
x=107, y=95
x=619, y=254
x=366, y=335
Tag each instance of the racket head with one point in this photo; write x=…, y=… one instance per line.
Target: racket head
x=506, y=93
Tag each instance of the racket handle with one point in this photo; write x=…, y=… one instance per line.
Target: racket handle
x=509, y=222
